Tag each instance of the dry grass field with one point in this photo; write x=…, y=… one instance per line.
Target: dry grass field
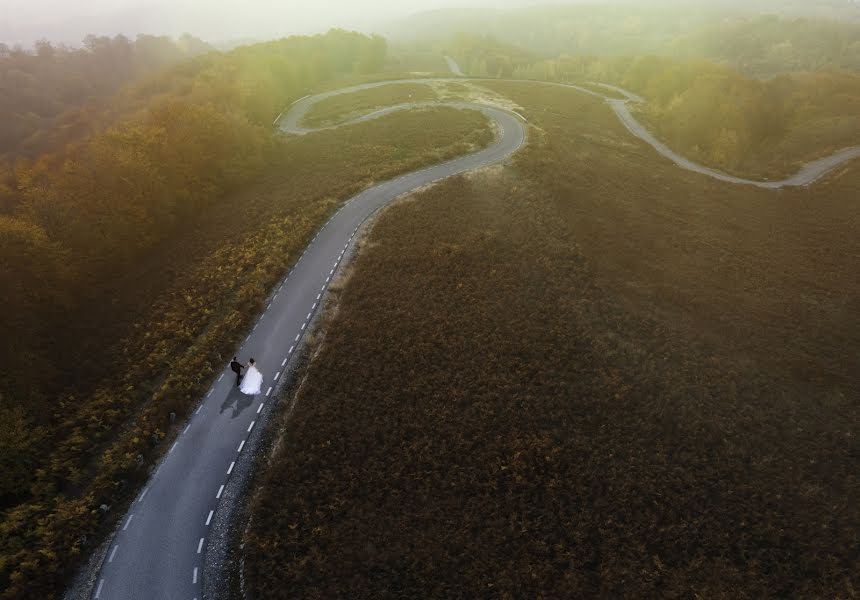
x=587, y=374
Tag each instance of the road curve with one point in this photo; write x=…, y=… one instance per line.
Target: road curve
x=808, y=174
x=161, y=545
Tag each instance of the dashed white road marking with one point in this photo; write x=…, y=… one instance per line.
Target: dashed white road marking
x=305, y=324
x=297, y=337
x=230, y=470
x=284, y=362
x=309, y=315
x=142, y=495
x=269, y=391
x=269, y=306
x=290, y=351
x=241, y=445
x=209, y=518
x=327, y=279
x=314, y=306
x=112, y=552
x=220, y=491
x=322, y=289
x=99, y=589
x=195, y=575
x=275, y=297
x=184, y=431
x=199, y=408
x=200, y=546
x=278, y=374
x=331, y=272
x=255, y=328
x=221, y=377
x=127, y=523
x=173, y=447
x=251, y=426
x=260, y=408
x=320, y=295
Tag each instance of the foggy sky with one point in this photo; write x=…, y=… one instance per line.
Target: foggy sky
x=23, y=21
x=68, y=21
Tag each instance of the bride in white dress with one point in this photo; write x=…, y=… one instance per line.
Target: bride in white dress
x=252, y=382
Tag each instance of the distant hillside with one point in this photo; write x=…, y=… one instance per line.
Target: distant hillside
x=54, y=94
x=747, y=36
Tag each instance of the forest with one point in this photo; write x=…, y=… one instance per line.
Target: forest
x=54, y=95
x=74, y=221
x=758, y=45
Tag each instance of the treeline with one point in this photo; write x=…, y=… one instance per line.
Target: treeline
x=72, y=220
x=486, y=56
x=754, y=45
x=51, y=95
x=767, y=45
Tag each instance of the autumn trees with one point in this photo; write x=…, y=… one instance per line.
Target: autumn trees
x=46, y=93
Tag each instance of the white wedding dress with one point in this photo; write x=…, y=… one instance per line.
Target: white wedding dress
x=252, y=382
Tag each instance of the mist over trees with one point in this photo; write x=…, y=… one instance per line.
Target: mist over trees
x=756, y=45
x=52, y=95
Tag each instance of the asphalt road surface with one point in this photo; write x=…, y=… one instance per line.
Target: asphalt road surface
x=160, y=548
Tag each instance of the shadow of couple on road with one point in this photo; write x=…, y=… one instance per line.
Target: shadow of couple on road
x=242, y=401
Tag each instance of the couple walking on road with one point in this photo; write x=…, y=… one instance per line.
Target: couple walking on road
x=251, y=383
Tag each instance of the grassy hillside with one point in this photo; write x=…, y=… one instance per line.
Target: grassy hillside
x=147, y=320
x=589, y=374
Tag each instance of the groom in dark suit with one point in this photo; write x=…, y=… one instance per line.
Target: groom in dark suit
x=237, y=369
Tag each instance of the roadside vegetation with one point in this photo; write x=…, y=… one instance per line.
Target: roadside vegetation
x=344, y=107
x=589, y=374
x=134, y=261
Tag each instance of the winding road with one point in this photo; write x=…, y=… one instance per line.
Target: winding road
x=808, y=174
x=160, y=548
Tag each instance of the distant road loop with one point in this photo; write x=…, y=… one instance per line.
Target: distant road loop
x=808, y=174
